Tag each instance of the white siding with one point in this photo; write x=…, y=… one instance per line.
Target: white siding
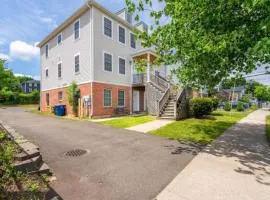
x=65, y=52
x=112, y=45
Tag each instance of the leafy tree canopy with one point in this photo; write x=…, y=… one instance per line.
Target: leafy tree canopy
x=251, y=86
x=262, y=93
x=230, y=83
x=208, y=39
x=7, y=79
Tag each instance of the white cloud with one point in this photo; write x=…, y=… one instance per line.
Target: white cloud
x=4, y=56
x=23, y=51
x=26, y=75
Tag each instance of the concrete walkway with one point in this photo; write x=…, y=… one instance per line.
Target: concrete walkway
x=150, y=126
x=235, y=167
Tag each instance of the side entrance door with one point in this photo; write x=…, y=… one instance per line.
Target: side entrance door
x=136, y=101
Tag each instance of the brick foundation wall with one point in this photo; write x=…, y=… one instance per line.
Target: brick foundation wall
x=85, y=90
x=97, y=100
x=98, y=93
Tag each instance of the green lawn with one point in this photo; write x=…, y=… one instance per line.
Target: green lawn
x=200, y=130
x=129, y=121
x=268, y=127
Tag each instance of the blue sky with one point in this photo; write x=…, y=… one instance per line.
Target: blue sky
x=25, y=22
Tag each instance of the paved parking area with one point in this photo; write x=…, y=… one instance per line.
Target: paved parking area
x=120, y=164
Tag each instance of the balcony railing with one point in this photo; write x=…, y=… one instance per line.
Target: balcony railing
x=139, y=79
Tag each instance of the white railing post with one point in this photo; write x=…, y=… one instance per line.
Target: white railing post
x=148, y=67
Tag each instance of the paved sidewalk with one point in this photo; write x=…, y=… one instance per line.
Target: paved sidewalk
x=150, y=126
x=235, y=167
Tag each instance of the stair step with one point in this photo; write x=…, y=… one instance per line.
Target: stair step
x=24, y=156
x=43, y=169
x=28, y=165
x=166, y=117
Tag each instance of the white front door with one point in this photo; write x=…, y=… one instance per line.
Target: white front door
x=136, y=101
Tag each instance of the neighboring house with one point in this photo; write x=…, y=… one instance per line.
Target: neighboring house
x=97, y=49
x=233, y=94
x=30, y=86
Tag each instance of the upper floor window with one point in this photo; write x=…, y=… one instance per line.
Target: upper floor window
x=107, y=98
x=47, y=50
x=107, y=62
x=122, y=35
x=60, y=96
x=77, y=63
x=59, y=39
x=132, y=41
x=77, y=30
x=47, y=73
x=121, y=98
x=122, y=66
x=59, y=70
x=107, y=27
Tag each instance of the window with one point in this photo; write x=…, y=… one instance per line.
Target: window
x=60, y=96
x=107, y=62
x=122, y=66
x=47, y=99
x=77, y=30
x=77, y=63
x=47, y=50
x=132, y=41
x=107, y=27
x=59, y=70
x=59, y=39
x=47, y=72
x=122, y=35
x=107, y=98
x=121, y=98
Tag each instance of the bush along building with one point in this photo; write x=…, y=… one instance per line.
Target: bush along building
x=97, y=49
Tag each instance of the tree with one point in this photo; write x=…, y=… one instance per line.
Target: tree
x=262, y=93
x=7, y=79
x=208, y=39
x=251, y=86
x=73, y=97
x=236, y=81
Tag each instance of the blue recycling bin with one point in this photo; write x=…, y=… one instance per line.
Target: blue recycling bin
x=60, y=110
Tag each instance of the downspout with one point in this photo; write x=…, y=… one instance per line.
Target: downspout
x=92, y=58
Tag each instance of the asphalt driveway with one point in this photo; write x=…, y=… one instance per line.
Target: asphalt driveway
x=120, y=164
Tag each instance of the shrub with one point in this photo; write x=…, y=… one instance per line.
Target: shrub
x=253, y=107
x=227, y=106
x=240, y=107
x=73, y=97
x=215, y=103
x=245, y=99
x=201, y=106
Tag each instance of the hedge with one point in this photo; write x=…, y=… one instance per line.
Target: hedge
x=9, y=97
x=200, y=106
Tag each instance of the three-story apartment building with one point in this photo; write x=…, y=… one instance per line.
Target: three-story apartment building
x=95, y=48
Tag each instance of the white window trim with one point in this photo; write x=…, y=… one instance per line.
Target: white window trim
x=60, y=100
x=104, y=98
x=130, y=41
x=103, y=61
x=78, y=20
x=103, y=22
x=119, y=66
x=118, y=99
x=48, y=50
x=61, y=39
x=77, y=54
x=118, y=39
x=60, y=62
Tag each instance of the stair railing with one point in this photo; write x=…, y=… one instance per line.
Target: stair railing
x=163, y=100
x=178, y=99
